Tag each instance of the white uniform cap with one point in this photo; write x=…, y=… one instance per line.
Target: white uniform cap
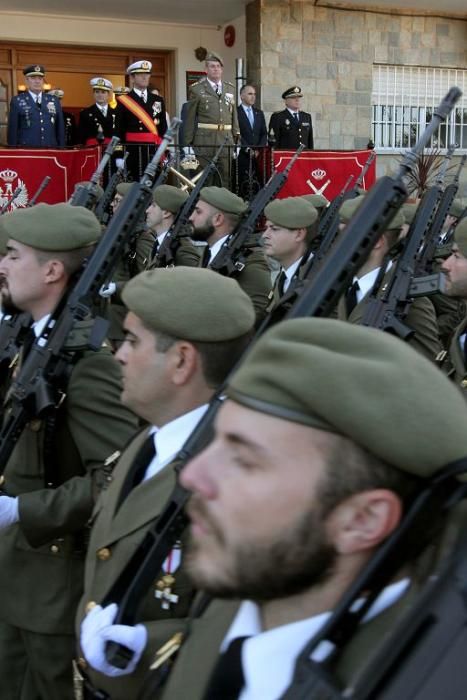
x=100, y=84
x=57, y=92
x=139, y=67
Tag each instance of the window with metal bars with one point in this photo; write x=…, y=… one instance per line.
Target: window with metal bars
x=403, y=100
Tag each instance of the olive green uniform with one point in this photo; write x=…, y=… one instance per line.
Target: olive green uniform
x=42, y=556
x=457, y=369
x=116, y=533
x=209, y=120
x=421, y=318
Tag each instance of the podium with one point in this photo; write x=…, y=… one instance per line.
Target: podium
x=27, y=168
x=323, y=172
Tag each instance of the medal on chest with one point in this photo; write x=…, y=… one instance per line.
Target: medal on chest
x=164, y=585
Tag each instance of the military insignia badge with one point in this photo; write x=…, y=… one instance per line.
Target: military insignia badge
x=287, y=122
x=229, y=98
x=156, y=108
x=145, y=65
x=51, y=108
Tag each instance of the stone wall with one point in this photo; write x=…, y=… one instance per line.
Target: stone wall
x=330, y=53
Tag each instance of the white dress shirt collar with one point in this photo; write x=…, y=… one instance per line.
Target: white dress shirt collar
x=367, y=281
x=215, y=85
x=160, y=237
x=36, y=96
x=38, y=326
x=268, y=658
x=289, y=273
x=215, y=248
x=169, y=439
x=141, y=93
x=294, y=113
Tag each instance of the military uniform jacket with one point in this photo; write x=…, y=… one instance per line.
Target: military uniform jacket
x=91, y=118
x=204, y=106
x=199, y=653
x=42, y=556
x=129, y=123
x=275, y=293
x=37, y=126
x=116, y=533
x=458, y=370
x=287, y=133
x=255, y=280
x=421, y=318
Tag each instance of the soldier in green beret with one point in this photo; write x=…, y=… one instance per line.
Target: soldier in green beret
x=289, y=231
x=216, y=215
x=455, y=271
x=302, y=484
x=421, y=317
x=185, y=329
x=160, y=215
x=134, y=259
x=52, y=476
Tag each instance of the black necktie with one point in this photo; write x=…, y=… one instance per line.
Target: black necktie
x=351, y=297
x=155, y=248
x=143, y=96
x=218, y=90
x=227, y=679
x=281, y=277
x=138, y=468
x=295, y=114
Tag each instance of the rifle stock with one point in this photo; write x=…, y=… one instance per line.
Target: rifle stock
x=86, y=195
x=102, y=209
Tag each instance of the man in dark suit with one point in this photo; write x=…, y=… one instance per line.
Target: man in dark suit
x=253, y=133
x=99, y=122
x=143, y=120
x=35, y=118
x=291, y=127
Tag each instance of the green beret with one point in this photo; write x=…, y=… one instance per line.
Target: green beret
x=85, y=183
x=350, y=206
x=457, y=208
x=169, y=197
x=319, y=201
x=360, y=383
x=123, y=188
x=223, y=199
x=190, y=303
x=409, y=209
x=460, y=236
x=292, y=213
x=53, y=227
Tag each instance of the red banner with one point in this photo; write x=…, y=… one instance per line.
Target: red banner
x=27, y=169
x=323, y=172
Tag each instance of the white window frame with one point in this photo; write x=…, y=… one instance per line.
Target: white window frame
x=403, y=99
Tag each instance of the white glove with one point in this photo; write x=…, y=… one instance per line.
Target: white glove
x=8, y=511
x=107, y=290
x=235, y=153
x=119, y=162
x=97, y=629
x=188, y=151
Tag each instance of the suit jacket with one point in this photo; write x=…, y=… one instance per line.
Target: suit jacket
x=120, y=530
x=287, y=133
x=421, y=318
x=36, y=126
x=91, y=118
x=256, y=136
x=206, y=107
x=45, y=549
x=154, y=106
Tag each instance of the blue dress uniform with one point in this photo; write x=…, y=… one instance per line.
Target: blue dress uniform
x=36, y=120
x=36, y=125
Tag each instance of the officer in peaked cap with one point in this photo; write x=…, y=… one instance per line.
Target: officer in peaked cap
x=98, y=123
x=35, y=118
x=210, y=117
x=56, y=468
x=142, y=119
x=291, y=127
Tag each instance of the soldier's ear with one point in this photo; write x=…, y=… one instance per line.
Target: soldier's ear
x=54, y=271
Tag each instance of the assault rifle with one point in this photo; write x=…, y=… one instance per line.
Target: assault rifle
x=165, y=256
x=87, y=195
x=12, y=332
x=230, y=260
x=14, y=196
x=102, y=210
x=318, y=298
x=40, y=383
x=39, y=191
x=388, y=310
x=424, y=263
